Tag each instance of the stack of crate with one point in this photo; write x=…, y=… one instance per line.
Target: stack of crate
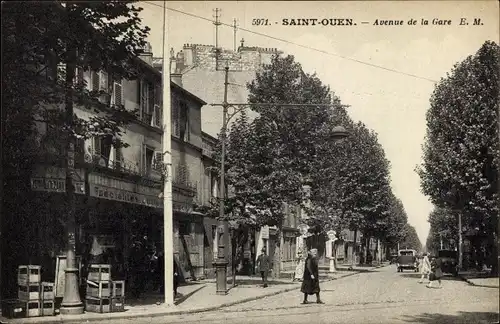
x=98, y=298
x=35, y=297
x=103, y=294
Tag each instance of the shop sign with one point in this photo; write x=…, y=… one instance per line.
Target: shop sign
x=120, y=190
x=55, y=185
x=53, y=179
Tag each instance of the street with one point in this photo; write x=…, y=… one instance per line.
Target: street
x=378, y=296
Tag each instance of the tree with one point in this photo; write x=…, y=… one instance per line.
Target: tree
x=353, y=189
x=443, y=227
x=48, y=45
x=410, y=240
x=461, y=152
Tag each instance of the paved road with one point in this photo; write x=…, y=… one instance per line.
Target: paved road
x=378, y=296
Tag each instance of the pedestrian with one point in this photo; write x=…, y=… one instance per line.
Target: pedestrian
x=436, y=272
x=299, y=269
x=176, y=279
x=310, y=281
x=425, y=268
x=263, y=266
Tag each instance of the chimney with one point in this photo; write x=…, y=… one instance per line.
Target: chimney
x=179, y=64
x=147, y=55
x=176, y=78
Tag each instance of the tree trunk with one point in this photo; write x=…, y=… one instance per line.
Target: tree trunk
x=354, y=248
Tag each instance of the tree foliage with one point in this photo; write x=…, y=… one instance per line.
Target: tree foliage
x=461, y=152
x=411, y=239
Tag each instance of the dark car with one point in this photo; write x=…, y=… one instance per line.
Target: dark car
x=449, y=261
x=407, y=260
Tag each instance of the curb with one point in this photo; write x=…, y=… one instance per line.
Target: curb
x=189, y=311
x=476, y=285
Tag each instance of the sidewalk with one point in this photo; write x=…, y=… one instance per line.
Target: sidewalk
x=195, y=298
x=480, y=279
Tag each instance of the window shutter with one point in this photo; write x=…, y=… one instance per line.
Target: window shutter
x=143, y=154
x=118, y=93
x=157, y=160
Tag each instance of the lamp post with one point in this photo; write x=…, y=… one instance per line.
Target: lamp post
x=222, y=229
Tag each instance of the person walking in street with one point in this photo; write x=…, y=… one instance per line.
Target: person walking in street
x=176, y=278
x=425, y=268
x=436, y=272
x=310, y=281
x=263, y=266
x=299, y=269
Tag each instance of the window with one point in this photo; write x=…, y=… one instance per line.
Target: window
x=148, y=158
x=184, y=122
x=100, y=81
x=146, y=101
x=102, y=147
x=182, y=176
x=180, y=119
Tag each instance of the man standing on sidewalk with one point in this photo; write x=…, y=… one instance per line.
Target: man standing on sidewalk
x=263, y=266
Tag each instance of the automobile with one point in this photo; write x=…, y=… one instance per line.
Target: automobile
x=407, y=260
x=394, y=258
x=449, y=261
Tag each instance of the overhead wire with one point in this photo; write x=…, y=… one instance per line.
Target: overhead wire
x=301, y=45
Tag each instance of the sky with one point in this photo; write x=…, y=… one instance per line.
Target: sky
x=392, y=104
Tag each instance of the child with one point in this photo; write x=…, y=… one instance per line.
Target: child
x=436, y=272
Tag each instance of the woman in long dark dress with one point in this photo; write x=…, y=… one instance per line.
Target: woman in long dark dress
x=310, y=281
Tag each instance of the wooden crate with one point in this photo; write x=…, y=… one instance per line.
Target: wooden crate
x=118, y=288
x=97, y=305
x=117, y=304
x=13, y=308
x=33, y=308
x=99, y=272
x=47, y=291
x=29, y=274
x=47, y=308
x=29, y=292
x=101, y=289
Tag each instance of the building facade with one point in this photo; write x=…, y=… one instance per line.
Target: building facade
x=118, y=198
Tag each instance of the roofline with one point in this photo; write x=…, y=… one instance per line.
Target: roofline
x=189, y=94
x=209, y=136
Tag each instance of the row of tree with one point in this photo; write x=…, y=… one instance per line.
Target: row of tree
x=461, y=153
x=271, y=157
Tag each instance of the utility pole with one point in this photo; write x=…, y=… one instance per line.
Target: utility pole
x=234, y=34
x=71, y=303
x=168, y=231
x=222, y=232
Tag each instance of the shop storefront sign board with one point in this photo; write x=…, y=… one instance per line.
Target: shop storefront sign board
x=53, y=179
x=105, y=187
